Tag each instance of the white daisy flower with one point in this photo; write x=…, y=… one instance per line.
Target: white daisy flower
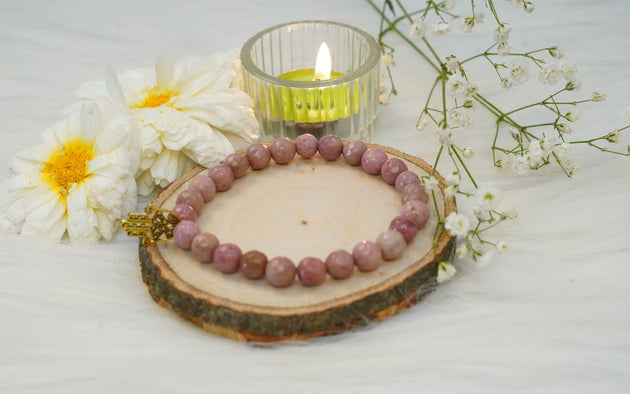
x=460, y=117
x=461, y=251
x=521, y=164
x=518, y=72
x=453, y=179
x=457, y=224
x=572, y=115
x=563, y=128
x=417, y=29
x=563, y=149
x=468, y=152
x=430, y=183
x=511, y=214
x=598, y=96
x=575, y=171
x=456, y=86
x=487, y=197
x=440, y=29
x=528, y=7
x=503, y=162
x=187, y=113
x=556, y=52
x=467, y=24
x=423, y=122
x=550, y=74
x=451, y=63
x=388, y=58
x=446, y=271
x=79, y=180
x=445, y=136
x=536, y=154
x=548, y=143
x=448, y=5
x=568, y=70
x=503, y=49
x=502, y=32
x=615, y=136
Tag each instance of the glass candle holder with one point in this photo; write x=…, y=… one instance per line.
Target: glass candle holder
x=346, y=104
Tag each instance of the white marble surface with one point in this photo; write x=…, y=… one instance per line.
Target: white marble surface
x=550, y=316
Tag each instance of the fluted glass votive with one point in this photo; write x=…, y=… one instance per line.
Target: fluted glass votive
x=291, y=99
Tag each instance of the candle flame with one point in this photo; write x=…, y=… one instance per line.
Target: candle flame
x=323, y=63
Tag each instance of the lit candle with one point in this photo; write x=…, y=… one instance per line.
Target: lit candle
x=321, y=72
x=337, y=96
x=311, y=105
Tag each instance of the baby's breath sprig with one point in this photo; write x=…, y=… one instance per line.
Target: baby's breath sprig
x=518, y=142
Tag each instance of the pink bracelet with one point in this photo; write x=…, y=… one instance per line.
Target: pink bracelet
x=311, y=271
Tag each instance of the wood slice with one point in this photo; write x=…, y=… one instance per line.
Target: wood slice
x=306, y=208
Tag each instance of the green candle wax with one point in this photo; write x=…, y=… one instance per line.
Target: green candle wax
x=305, y=74
x=312, y=105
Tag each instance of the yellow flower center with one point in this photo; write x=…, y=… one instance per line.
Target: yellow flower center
x=156, y=97
x=68, y=165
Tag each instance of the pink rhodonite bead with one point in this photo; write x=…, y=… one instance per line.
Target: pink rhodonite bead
x=222, y=176
x=204, y=186
x=282, y=150
x=192, y=198
x=203, y=247
x=238, y=163
x=392, y=244
x=311, y=271
x=184, y=233
x=405, y=178
x=367, y=255
x=414, y=191
x=226, y=258
x=392, y=168
x=353, y=150
x=372, y=160
x=415, y=211
x=185, y=212
x=253, y=264
x=306, y=145
x=280, y=271
x=340, y=264
x=258, y=156
x=330, y=147
x=405, y=227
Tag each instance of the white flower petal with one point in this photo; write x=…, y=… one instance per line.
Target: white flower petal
x=168, y=165
x=45, y=218
x=179, y=132
x=30, y=159
x=82, y=223
x=164, y=71
x=207, y=75
x=229, y=111
x=91, y=121
x=145, y=182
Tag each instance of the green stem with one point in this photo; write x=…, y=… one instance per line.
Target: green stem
x=490, y=4
x=437, y=159
x=404, y=11
x=466, y=169
x=404, y=37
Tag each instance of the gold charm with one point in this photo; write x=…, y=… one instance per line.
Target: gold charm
x=154, y=225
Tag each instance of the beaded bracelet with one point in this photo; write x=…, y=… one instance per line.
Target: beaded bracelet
x=311, y=271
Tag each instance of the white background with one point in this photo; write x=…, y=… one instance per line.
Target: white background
x=550, y=316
